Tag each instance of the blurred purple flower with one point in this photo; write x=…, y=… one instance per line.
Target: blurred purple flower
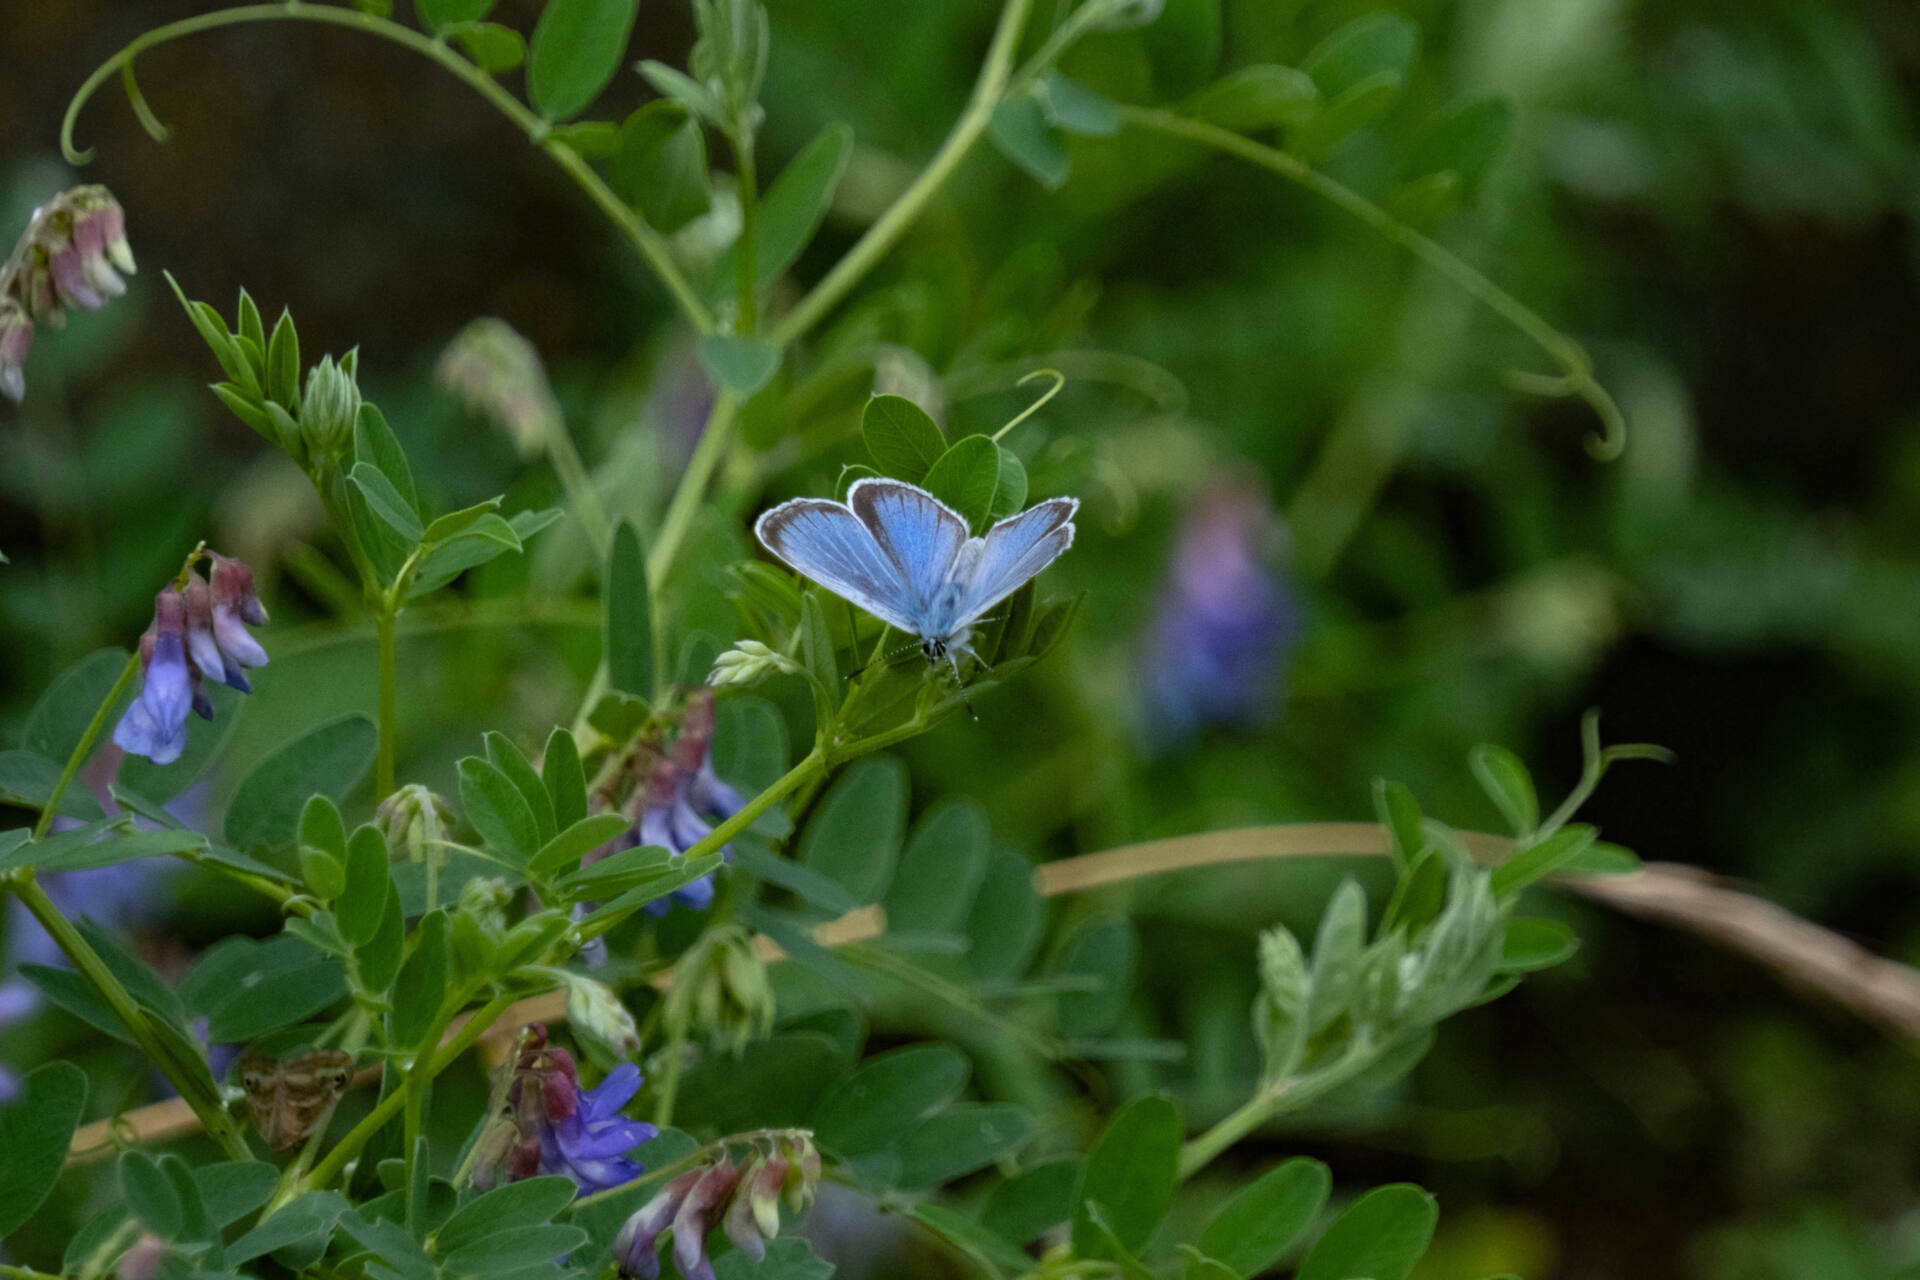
x=1223, y=624
x=67, y=257
x=685, y=798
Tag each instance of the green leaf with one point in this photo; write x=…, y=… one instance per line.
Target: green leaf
x=59, y=719
x=283, y=362
x=677, y=86
x=749, y=751
x=661, y=166
x=1399, y=813
x=742, y=365
x=36, y=1128
x=966, y=477
x=321, y=827
x=772, y=1082
x=1262, y=1220
x=1007, y=919
x=788, y=1258
x=436, y=15
x=1370, y=44
x=195, y=1226
x=1537, y=861
x=1131, y=1173
x=793, y=207
x=978, y=1241
x=630, y=644
x=492, y=47
x=1532, y=943
x=1019, y=131
x=517, y=1204
x=1602, y=859
x=940, y=869
x=1507, y=784
x=149, y=1193
x=537, y=1246
x=248, y=315
x=479, y=542
x=855, y=832
x=872, y=1108
x=386, y=503
x=308, y=1219
x=377, y=961
x=901, y=438
x=328, y=760
x=960, y=1140
x=455, y=522
x=1183, y=45
x=1336, y=953
x=247, y=988
x=510, y=760
x=1344, y=115
x=1463, y=138
x=375, y=444
x=422, y=984
x=565, y=779
x=1103, y=952
x=1380, y=1236
x=232, y=1190
x=577, y=46
x=1010, y=495
x=808, y=884
x=564, y=851
x=1072, y=106
x=1040, y=1198
x=599, y=139
x=497, y=810
x=1258, y=97
x=28, y=780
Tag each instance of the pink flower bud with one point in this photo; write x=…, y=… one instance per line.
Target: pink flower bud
x=16, y=339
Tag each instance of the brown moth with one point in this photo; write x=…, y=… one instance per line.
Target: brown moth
x=292, y=1098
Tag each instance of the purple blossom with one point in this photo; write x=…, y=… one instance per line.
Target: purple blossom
x=590, y=1145
x=197, y=634
x=67, y=257
x=547, y=1123
x=685, y=799
x=1223, y=624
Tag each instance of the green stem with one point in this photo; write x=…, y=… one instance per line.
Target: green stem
x=584, y=498
x=1575, y=364
x=1276, y=1099
x=83, y=748
x=650, y=243
x=383, y=773
x=13, y=1272
x=193, y=1086
x=670, y=1079
x=349, y=1146
x=747, y=274
x=891, y=225
x=686, y=501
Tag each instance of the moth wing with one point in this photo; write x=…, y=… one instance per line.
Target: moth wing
x=826, y=542
x=259, y=1078
x=1014, y=551
x=919, y=533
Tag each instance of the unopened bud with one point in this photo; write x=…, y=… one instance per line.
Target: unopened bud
x=597, y=1015
x=415, y=822
x=16, y=338
x=497, y=373
x=721, y=988
x=328, y=409
x=749, y=662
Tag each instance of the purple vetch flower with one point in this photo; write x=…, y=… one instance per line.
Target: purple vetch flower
x=545, y=1122
x=198, y=633
x=685, y=798
x=743, y=1199
x=70, y=255
x=155, y=725
x=1223, y=623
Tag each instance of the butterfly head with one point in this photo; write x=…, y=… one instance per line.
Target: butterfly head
x=934, y=649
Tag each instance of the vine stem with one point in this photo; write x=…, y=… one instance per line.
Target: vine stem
x=891, y=225
x=651, y=244
x=1576, y=365
x=194, y=1087
x=714, y=439
x=1275, y=1099
x=383, y=771
x=84, y=748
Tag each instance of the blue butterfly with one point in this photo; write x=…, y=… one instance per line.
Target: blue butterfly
x=904, y=556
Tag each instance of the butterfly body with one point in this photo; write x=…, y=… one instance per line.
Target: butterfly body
x=907, y=558
x=293, y=1097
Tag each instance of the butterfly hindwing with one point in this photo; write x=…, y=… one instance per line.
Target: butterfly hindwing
x=918, y=532
x=1014, y=551
x=826, y=542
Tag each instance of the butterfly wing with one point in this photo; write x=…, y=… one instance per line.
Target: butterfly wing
x=1014, y=551
x=826, y=542
x=917, y=531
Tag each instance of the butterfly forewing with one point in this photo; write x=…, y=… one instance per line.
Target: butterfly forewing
x=292, y=1098
x=826, y=542
x=918, y=532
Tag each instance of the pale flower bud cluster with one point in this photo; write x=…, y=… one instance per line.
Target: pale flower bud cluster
x=721, y=989
x=741, y=1198
x=497, y=373
x=415, y=822
x=71, y=255
x=749, y=662
x=328, y=408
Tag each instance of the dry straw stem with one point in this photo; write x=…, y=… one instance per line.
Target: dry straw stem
x=1802, y=953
